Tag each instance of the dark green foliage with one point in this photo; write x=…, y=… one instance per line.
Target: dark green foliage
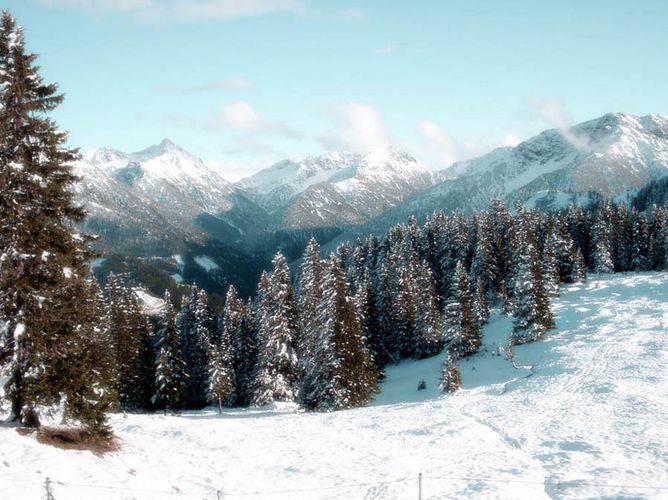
x=48, y=307
x=170, y=373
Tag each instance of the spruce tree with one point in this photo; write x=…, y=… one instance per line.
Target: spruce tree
x=533, y=315
x=278, y=334
x=46, y=316
x=310, y=290
x=342, y=374
x=231, y=320
x=462, y=330
x=450, y=377
x=170, y=372
x=245, y=356
x=428, y=323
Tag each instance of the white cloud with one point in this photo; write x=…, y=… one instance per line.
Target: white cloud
x=182, y=11
x=240, y=115
x=234, y=171
x=554, y=113
x=441, y=149
x=359, y=127
x=511, y=140
x=227, y=84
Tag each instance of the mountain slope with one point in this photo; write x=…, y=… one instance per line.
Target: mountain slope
x=337, y=188
x=609, y=155
x=589, y=423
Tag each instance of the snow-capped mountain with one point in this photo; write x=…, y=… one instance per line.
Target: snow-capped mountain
x=156, y=197
x=337, y=188
x=610, y=155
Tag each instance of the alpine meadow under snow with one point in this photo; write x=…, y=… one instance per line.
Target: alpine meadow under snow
x=581, y=415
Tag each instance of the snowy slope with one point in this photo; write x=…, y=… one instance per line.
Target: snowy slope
x=582, y=417
x=337, y=188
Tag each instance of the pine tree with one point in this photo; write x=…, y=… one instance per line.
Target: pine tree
x=170, y=372
x=125, y=342
x=194, y=323
x=366, y=304
x=310, y=290
x=533, y=315
x=450, y=377
x=602, y=257
x=428, y=324
x=342, y=374
x=231, y=320
x=480, y=304
x=462, y=331
x=46, y=316
x=245, y=356
x=278, y=335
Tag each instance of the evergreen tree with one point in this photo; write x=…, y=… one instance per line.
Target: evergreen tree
x=46, y=315
x=602, y=258
x=310, y=290
x=462, y=330
x=225, y=351
x=366, y=304
x=245, y=356
x=533, y=315
x=480, y=304
x=342, y=374
x=170, y=369
x=194, y=323
x=277, y=375
x=450, y=377
x=428, y=324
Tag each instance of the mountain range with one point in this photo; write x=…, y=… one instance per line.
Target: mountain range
x=166, y=207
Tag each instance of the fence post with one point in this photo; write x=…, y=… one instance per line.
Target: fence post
x=47, y=486
x=420, y=486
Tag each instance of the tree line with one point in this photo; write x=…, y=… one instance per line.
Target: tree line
x=324, y=338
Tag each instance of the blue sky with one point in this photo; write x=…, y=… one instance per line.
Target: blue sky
x=245, y=83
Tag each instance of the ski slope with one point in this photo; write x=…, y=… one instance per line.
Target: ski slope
x=583, y=415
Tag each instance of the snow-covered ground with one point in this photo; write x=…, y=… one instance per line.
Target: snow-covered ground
x=583, y=416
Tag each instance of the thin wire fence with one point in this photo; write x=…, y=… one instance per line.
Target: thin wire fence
x=52, y=487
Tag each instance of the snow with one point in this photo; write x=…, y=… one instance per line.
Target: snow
x=150, y=305
x=177, y=278
x=206, y=263
x=582, y=416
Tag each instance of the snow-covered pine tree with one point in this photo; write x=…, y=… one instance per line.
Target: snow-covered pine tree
x=551, y=277
x=141, y=324
x=640, y=242
x=533, y=315
x=461, y=329
x=366, y=304
x=45, y=313
x=342, y=374
x=483, y=266
x=428, y=323
x=194, y=323
x=233, y=312
x=125, y=342
x=245, y=356
x=579, y=268
x=480, y=303
x=310, y=290
x=602, y=258
x=170, y=372
x=278, y=335
x=450, y=377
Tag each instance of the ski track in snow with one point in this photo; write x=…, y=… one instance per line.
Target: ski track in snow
x=585, y=407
